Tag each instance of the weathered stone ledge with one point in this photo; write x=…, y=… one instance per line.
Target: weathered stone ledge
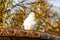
x=25, y=33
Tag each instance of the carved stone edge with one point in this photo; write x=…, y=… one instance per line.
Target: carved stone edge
x=26, y=33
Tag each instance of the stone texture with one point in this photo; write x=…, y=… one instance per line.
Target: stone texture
x=25, y=33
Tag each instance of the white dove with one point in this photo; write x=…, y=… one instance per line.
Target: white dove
x=30, y=22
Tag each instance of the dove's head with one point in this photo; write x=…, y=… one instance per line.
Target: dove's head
x=31, y=14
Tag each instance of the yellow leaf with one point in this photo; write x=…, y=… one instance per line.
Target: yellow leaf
x=54, y=25
x=5, y=25
x=8, y=1
x=40, y=12
x=38, y=5
x=57, y=29
x=32, y=8
x=0, y=27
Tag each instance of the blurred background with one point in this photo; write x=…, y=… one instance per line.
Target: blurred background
x=13, y=14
